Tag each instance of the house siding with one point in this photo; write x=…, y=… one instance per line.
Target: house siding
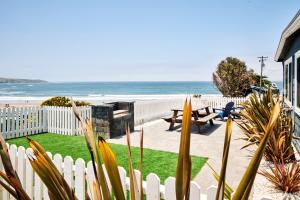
x=293, y=48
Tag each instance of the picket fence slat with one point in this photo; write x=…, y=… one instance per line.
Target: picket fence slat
x=29, y=175
x=44, y=187
x=152, y=186
x=90, y=177
x=170, y=188
x=80, y=178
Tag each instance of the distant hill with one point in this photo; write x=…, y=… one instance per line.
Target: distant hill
x=17, y=80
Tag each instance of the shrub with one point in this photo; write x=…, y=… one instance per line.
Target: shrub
x=284, y=176
x=255, y=115
x=62, y=101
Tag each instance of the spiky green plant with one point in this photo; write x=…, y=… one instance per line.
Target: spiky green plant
x=284, y=176
x=11, y=181
x=255, y=115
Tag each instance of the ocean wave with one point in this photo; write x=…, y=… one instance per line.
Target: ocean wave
x=99, y=99
x=10, y=92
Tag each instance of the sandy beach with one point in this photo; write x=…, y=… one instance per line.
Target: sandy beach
x=21, y=101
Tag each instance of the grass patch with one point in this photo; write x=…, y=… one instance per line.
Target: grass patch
x=159, y=162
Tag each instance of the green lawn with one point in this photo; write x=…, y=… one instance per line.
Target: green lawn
x=159, y=162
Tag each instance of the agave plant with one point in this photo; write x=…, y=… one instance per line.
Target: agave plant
x=256, y=115
x=11, y=181
x=244, y=188
x=42, y=164
x=284, y=176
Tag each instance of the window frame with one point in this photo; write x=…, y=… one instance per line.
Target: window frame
x=297, y=107
x=287, y=89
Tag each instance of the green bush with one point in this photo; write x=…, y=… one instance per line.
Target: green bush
x=62, y=101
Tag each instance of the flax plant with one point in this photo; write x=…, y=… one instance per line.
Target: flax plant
x=42, y=164
x=10, y=181
x=256, y=115
x=246, y=183
x=223, y=190
x=242, y=192
x=184, y=164
x=283, y=176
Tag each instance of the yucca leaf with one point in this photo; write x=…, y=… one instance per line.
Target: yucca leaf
x=96, y=191
x=141, y=163
x=111, y=165
x=134, y=193
x=183, y=171
x=244, y=187
x=47, y=171
x=101, y=183
x=9, y=189
x=222, y=183
x=228, y=189
x=11, y=176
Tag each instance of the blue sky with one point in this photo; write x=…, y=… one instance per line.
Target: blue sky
x=138, y=40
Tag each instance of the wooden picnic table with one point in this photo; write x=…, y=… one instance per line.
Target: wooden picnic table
x=197, y=118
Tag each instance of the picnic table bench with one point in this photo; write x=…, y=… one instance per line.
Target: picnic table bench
x=199, y=119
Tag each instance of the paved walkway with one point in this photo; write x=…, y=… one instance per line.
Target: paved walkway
x=208, y=144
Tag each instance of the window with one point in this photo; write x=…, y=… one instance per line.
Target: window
x=289, y=80
x=290, y=93
x=286, y=87
x=298, y=82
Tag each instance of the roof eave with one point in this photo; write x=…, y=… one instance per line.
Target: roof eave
x=293, y=26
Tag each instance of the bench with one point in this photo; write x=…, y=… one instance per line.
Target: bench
x=120, y=112
x=204, y=120
x=172, y=120
x=177, y=119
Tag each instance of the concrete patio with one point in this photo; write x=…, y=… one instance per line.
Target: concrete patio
x=207, y=144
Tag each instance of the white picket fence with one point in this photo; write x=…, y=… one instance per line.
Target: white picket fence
x=28, y=120
x=220, y=102
x=21, y=121
x=145, y=111
x=81, y=176
x=61, y=120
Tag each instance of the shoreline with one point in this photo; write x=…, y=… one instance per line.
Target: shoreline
x=96, y=99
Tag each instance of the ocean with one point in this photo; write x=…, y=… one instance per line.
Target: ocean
x=102, y=89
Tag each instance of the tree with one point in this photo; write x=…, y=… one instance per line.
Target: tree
x=233, y=78
x=265, y=82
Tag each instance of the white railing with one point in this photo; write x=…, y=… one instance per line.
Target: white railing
x=145, y=111
x=62, y=120
x=220, y=102
x=81, y=176
x=28, y=120
x=21, y=121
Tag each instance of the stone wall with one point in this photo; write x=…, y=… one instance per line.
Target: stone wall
x=107, y=124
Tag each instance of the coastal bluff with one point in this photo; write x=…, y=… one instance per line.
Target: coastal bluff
x=17, y=80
